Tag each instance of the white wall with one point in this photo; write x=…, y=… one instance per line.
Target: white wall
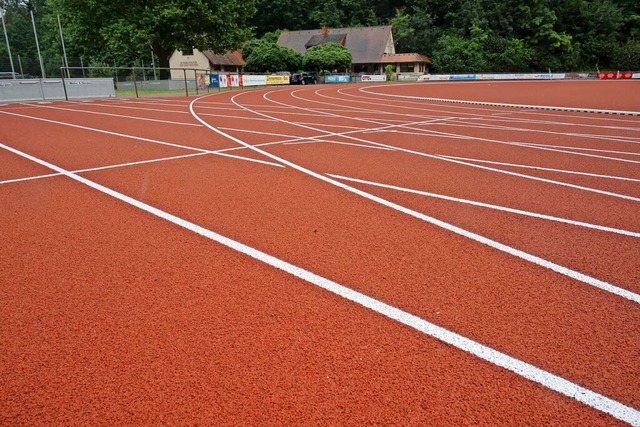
x=196, y=61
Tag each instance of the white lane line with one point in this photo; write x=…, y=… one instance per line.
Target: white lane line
x=439, y=157
x=450, y=122
x=325, y=141
x=469, y=123
x=502, y=104
x=565, y=387
x=473, y=116
x=600, y=284
x=154, y=141
x=570, y=172
x=158, y=110
x=99, y=168
x=490, y=206
x=573, y=150
x=121, y=116
x=489, y=125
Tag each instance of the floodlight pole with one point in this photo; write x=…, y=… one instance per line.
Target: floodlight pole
x=35, y=33
x=64, y=51
x=13, y=72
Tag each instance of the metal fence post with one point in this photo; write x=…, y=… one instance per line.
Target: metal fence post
x=64, y=86
x=135, y=85
x=186, y=88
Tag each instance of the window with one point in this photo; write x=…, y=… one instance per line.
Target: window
x=188, y=52
x=406, y=68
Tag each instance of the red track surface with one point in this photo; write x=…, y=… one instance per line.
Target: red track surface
x=112, y=315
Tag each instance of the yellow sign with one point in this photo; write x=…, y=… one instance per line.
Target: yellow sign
x=277, y=80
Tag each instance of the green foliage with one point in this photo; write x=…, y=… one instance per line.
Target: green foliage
x=464, y=35
x=121, y=31
x=627, y=57
x=327, y=56
x=457, y=54
x=388, y=71
x=264, y=56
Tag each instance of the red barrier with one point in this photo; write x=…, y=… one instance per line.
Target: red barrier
x=615, y=75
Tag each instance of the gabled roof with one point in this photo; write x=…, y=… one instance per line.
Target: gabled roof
x=366, y=44
x=399, y=58
x=229, y=58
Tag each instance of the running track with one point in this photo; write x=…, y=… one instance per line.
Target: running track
x=330, y=255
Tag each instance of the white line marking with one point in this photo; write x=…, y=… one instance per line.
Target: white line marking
x=450, y=122
x=439, y=157
x=515, y=165
x=154, y=141
x=490, y=206
x=99, y=168
x=502, y=104
x=121, y=116
x=567, y=388
x=624, y=293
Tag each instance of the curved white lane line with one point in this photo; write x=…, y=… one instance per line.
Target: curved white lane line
x=440, y=157
x=567, y=388
x=407, y=104
x=456, y=123
x=502, y=104
x=490, y=206
x=600, y=284
x=566, y=171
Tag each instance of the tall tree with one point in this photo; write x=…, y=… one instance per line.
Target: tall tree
x=119, y=30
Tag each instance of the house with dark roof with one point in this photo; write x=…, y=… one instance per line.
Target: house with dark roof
x=372, y=48
x=198, y=61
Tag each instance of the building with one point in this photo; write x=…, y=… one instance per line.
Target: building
x=407, y=63
x=372, y=48
x=205, y=61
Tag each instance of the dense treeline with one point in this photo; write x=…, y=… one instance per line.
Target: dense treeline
x=483, y=35
x=458, y=35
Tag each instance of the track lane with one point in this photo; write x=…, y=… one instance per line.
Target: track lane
x=356, y=258
x=611, y=95
x=271, y=192
x=122, y=310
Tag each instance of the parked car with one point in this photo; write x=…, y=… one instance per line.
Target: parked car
x=303, y=79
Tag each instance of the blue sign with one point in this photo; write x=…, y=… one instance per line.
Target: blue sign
x=337, y=78
x=463, y=77
x=214, y=80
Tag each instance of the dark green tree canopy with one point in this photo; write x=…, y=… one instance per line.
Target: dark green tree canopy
x=327, y=56
x=265, y=56
x=468, y=35
x=120, y=29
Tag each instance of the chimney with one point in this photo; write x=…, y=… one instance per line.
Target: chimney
x=325, y=31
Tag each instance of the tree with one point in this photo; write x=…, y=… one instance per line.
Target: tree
x=327, y=56
x=507, y=55
x=457, y=54
x=119, y=30
x=264, y=56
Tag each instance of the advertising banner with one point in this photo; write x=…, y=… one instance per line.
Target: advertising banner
x=254, y=80
x=408, y=77
x=337, y=78
x=463, y=77
x=277, y=80
x=366, y=78
x=213, y=80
